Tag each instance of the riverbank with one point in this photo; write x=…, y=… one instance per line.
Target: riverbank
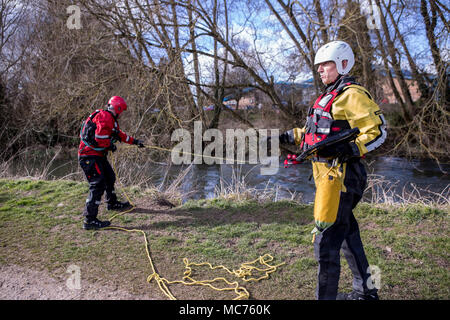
x=41, y=233
x=389, y=178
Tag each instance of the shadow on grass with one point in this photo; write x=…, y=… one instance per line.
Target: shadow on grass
x=210, y=216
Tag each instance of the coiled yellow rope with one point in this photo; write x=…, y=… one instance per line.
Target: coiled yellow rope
x=244, y=272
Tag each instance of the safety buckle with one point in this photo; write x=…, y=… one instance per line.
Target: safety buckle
x=335, y=162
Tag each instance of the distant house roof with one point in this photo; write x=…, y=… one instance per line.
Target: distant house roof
x=233, y=95
x=294, y=85
x=308, y=83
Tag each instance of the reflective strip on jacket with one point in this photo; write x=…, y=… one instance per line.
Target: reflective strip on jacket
x=354, y=105
x=106, y=126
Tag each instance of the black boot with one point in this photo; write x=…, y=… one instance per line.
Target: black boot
x=354, y=295
x=95, y=224
x=117, y=205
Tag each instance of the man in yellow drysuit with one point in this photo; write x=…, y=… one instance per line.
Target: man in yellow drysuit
x=339, y=176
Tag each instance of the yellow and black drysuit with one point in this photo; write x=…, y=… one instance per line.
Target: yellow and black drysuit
x=340, y=184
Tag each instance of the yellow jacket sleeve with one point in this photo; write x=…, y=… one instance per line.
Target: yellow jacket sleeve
x=357, y=107
x=298, y=135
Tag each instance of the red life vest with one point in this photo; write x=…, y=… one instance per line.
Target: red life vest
x=320, y=123
x=99, y=130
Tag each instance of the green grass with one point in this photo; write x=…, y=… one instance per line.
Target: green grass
x=40, y=228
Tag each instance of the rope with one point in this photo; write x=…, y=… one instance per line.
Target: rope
x=244, y=272
x=198, y=155
x=229, y=160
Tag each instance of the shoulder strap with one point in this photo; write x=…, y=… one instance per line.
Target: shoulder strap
x=114, y=117
x=92, y=115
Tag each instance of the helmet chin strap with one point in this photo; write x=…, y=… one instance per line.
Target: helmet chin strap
x=331, y=85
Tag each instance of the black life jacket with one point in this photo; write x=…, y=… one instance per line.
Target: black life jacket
x=87, y=133
x=320, y=123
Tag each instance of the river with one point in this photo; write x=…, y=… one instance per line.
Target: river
x=393, y=175
x=388, y=177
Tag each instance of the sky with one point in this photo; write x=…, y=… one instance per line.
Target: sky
x=274, y=44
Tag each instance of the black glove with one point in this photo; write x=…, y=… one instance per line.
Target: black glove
x=287, y=137
x=139, y=143
x=342, y=151
x=115, y=135
x=112, y=147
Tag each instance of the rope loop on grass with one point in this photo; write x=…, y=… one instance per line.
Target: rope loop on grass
x=243, y=273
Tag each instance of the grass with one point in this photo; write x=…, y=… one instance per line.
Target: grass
x=40, y=228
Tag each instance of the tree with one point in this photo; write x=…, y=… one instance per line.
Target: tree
x=405, y=99
x=430, y=21
x=15, y=37
x=353, y=30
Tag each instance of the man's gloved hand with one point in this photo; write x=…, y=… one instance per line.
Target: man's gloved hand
x=287, y=137
x=112, y=147
x=343, y=151
x=115, y=135
x=139, y=143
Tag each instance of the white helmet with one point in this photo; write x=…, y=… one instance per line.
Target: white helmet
x=336, y=51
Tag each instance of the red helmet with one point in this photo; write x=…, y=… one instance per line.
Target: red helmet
x=118, y=103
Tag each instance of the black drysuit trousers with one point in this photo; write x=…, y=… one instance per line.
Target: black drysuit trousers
x=343, y=235
x=101, y=178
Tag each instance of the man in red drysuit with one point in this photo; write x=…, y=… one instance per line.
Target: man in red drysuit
x=98, y=134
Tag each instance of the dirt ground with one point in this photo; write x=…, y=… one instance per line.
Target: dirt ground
x=18, y=283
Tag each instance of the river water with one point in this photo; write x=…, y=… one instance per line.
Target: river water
x=391, y=174
x=388, y=176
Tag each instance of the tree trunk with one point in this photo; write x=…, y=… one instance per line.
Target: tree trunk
x=198, y=94
x=409, y=105
x=406, y=116
x=423, y=88
x=440, y=64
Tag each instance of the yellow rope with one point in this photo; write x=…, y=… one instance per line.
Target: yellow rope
x=154, y=274
x=197, y=155
x=244, y=272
